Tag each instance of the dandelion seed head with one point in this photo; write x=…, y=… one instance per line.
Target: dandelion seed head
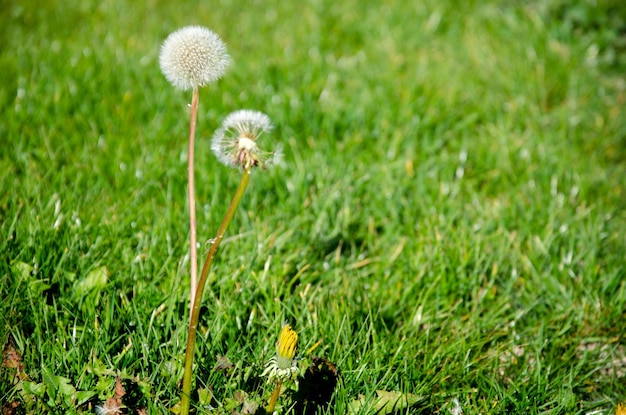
x=235, y=142
x=193, y=56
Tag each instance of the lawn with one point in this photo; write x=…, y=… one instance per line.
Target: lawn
x=447, y=228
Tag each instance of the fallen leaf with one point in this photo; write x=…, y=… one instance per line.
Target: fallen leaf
x=119, y=389
x=223, y=363
x=11, y=358
x=10, y=408
x=249, y=407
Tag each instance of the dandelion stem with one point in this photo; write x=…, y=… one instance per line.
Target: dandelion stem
x=191, y=193
x=195, y=311
x=274, y=397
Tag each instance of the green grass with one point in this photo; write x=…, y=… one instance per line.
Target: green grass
x=449, y=221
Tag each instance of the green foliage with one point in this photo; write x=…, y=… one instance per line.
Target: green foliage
x=449, y=221
x=52, y=392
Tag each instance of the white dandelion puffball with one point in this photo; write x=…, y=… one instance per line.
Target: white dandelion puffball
x=193, y=56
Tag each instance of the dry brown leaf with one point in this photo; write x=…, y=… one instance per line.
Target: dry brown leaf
x=119, y=389
x=11, y=358
x=10, y=408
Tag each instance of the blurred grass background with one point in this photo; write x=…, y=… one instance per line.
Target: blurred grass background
x=449, y=220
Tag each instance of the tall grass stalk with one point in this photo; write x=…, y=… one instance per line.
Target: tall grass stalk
x=193, y=253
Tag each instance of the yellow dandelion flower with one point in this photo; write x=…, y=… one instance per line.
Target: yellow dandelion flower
x=283, y=366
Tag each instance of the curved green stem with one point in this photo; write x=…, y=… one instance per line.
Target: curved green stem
x=274, y=397
x=195, y=312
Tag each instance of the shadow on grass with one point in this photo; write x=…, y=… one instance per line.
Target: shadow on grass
x=316, y=387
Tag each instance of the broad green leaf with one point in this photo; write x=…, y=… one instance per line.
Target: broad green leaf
x=21, y=269
x=98, y=368
x=33, y=388
x=70, y=276
x=24, y=272
x=175, y=409
x=58, y=387
x=204, y=396
x=65, y=387
x=385, y=402
x=84, y=396
x=104, y=387
x=51, y=382
x=96, y=280
x=38, y=286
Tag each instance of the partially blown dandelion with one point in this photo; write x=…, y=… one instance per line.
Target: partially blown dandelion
x=235, y=142
x=193, y=56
